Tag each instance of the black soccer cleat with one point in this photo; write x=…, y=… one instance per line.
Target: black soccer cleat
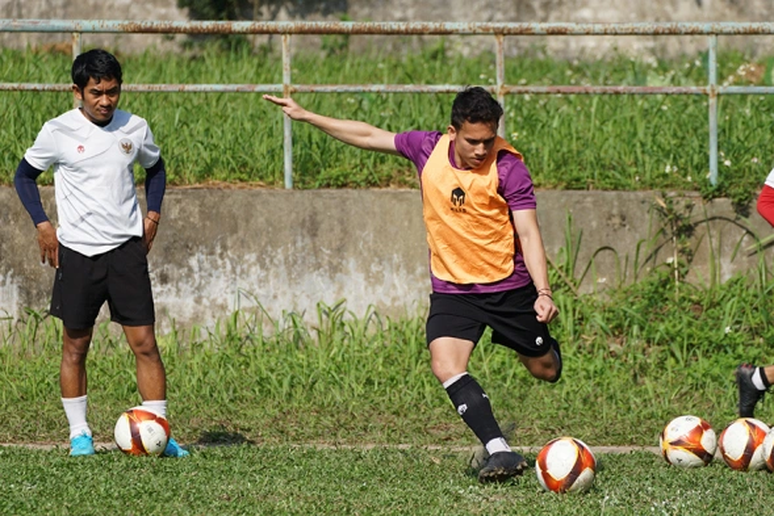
x=501, y=466
x=749, y=394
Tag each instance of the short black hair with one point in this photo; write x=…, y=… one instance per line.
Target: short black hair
x=95, y=64
x=474, y=105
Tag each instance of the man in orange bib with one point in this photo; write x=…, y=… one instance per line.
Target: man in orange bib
x=487, y=260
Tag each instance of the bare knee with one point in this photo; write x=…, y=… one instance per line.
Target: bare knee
x=143, y=344
x=449, y=357
x=547, y=368
x=144, y=347
x=548, y=374
x=147, y=350
x=444, y=369
x=75, y=346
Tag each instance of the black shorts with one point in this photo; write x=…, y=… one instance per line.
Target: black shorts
x=82, y=284
x=510, y=314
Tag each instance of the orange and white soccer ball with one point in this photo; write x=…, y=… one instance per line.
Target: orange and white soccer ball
x=141, y=432
x=688, y=442
x=566, y=465
x=741, y=444
x=768, y=450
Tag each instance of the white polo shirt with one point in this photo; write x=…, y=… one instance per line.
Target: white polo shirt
x=94, y=187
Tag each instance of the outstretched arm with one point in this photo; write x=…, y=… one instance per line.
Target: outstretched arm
x=351, y=132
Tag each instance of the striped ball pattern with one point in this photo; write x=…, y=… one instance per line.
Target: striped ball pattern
x=566, y=465
x=688, y=442
x=141, y=432
x=741, y=444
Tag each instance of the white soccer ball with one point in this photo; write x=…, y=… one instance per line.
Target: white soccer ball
x=688, y=442
x=566, y=465
x=768, y=450
x=141, y=432
x=741, y=444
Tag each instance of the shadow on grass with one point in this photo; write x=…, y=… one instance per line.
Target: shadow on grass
x=222, y=438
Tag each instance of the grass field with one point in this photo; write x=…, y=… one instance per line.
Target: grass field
x=246, y=479
x=344, y=417
x=570, y=142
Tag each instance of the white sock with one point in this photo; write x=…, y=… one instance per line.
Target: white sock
x=75, y=410
x=453, y=379
x=497, y=444
x=757, y=379
x=156, y=406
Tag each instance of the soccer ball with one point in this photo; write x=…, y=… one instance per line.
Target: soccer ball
x=141, y=432
x=565, y=465
x=741, y=444
x=768, y=450
x=688, y=442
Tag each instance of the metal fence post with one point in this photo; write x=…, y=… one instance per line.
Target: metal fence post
x=287, y=124
x=76, y=49
x=713, y=108
x=500, y=74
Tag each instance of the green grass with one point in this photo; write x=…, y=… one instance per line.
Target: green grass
x=343, y=416
x=634, y=359
x=246, y=479
x=281, y=415
x=570, y=142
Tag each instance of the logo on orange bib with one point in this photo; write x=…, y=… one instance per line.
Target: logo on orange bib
x=458, y=200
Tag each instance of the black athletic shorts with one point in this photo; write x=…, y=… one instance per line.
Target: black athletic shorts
x=510, y=314
x=82, y=284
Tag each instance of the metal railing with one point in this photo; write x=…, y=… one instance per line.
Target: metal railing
x=497, y=30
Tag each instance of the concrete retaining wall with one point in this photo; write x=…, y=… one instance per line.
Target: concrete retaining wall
x=220, y=250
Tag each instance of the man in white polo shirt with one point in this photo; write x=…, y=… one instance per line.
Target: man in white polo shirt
x=99, y=248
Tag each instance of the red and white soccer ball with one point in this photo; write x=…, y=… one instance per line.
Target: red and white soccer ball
x=741, y=444
x=141, y=432
x=688, y=442
x=566, y=465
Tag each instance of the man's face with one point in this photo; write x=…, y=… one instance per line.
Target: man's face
x=99, y=99
x=472, y=143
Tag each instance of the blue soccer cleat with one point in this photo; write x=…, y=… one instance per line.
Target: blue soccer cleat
x=174, y=450
x=81, y=444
